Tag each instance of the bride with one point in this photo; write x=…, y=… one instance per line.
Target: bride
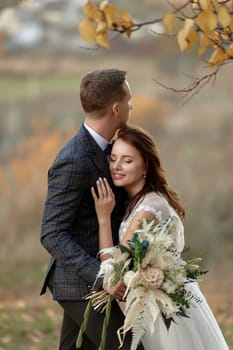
x=135, y=166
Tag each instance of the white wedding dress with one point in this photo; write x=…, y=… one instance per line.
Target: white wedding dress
x=200, y=331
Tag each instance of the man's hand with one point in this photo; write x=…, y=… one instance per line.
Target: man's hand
x=117, y=291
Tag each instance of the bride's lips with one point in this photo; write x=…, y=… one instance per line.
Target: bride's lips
x=117, y=176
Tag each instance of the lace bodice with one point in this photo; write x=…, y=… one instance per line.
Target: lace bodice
x=159, y=206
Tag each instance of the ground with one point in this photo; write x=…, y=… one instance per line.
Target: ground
x=32, y=322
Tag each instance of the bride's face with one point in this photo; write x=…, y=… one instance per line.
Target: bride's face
x=127, y=167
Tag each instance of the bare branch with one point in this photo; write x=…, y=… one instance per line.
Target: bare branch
x=179, y=9
x=193, y=89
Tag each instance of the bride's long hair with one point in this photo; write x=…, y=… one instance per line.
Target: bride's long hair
x=155, y=176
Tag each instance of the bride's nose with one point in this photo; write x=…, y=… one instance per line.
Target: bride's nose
x=116, y=165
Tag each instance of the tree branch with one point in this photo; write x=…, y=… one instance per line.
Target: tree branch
x=192, y=89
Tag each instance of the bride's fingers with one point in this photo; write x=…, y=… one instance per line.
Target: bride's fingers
x=94, y=194
x=103, y=188
x=108, y=188
x=104, y=191
x=99, y=189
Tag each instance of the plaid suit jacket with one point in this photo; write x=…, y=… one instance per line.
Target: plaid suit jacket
x=69, y=225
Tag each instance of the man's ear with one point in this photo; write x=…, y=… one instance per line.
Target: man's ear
x=115, y=108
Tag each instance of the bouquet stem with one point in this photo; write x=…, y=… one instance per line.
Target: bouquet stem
x=83, y=325
x=105, y=324
x=97, y=299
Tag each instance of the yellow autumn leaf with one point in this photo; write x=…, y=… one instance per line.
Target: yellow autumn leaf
x=213, y=4
x=218, y=57
x=207, y=21
x=102, y=39
x=181, y=39
x=116, y=22
x=109, y=12
x=126, y=19
x=216, y=40
x=229, y=51
x=195, y=4
x=101, y=27
x=231, y=24
x=204, y=4
x=168, y=21
x=191, y=38
x=90, y=10
x=87, y=30
x=103, y=4
x=187, y=37
x=224, y=16
x=188, y=24
x=204, y=43
x=128, y=32
x=99, y=16
x=191, y=35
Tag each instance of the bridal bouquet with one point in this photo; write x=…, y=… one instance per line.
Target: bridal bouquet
x=155, y=275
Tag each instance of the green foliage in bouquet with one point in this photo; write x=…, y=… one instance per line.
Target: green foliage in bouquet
x=155, y=275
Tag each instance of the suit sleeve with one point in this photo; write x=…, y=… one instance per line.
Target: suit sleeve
x=67, y=183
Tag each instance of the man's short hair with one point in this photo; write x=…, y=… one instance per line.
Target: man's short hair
x=100, y=88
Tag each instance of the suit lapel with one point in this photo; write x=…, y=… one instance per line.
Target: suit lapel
x=94, y=152
x=99, y=159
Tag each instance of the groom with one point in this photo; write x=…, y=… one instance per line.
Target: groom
x=69, y=226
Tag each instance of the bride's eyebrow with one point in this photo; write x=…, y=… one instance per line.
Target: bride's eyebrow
x=127, y=156
x=122, y=156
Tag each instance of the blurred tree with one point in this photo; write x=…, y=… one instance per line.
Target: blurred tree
x=8, y=3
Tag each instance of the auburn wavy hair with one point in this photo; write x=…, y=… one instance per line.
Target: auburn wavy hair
x=155, y=176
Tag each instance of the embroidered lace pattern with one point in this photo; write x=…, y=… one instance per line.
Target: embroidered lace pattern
x=158, y=206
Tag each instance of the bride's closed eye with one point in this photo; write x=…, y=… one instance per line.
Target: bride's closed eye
x=112, y=159
x=126, y=160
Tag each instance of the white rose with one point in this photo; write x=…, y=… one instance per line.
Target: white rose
x=153, y=276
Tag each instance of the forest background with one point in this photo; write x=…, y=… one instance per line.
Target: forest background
x=40, y=110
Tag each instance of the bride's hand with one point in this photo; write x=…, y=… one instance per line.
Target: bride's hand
x=117, y=291
x=104, y=199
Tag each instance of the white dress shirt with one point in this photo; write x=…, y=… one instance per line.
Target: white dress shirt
x=98, y=139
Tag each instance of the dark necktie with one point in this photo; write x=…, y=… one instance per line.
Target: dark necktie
x=108, y=149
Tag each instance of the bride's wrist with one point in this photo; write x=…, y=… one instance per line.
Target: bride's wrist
x=103, y=220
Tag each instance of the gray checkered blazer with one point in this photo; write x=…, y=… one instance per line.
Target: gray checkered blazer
x=69, y=226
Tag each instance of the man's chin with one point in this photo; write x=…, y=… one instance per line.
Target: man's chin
x=123, y=125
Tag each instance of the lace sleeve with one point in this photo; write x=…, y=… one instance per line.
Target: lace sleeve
x=155, y=205
x=158, y=206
